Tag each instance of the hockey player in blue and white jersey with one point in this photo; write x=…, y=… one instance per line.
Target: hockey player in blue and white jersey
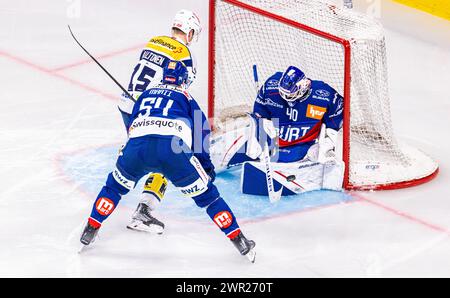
x=147, y=73
x=305, y=116
x=168, y=134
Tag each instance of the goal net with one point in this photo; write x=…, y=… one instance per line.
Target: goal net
x=339, y=46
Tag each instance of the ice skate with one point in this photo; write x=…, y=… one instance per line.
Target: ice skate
x=245, y=246
x=88, y=236
x=144, y=221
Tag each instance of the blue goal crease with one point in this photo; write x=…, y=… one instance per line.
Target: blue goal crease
x=90, y=169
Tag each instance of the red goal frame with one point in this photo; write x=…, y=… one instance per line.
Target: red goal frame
x=347, y=85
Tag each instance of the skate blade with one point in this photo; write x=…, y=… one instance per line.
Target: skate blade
x=84, y=247
x=81, y=248
x=152, y=229
x=251, y=255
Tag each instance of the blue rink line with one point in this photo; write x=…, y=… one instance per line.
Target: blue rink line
x=91, y=167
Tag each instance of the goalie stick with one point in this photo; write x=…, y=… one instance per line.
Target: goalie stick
x=348, y=4
x=274, y=196
x=101, y=66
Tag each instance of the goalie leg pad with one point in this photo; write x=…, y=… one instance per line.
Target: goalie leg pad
x=333, y=175
x=254, y=182
x=229, y=148
x=298, y=177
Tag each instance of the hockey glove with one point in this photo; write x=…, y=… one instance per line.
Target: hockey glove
x=324, y=150
x=261, y=131
x=327, y=145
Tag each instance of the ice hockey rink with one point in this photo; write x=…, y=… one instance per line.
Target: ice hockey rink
x=60, y=133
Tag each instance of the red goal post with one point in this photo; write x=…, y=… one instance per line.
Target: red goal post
x=348, y=134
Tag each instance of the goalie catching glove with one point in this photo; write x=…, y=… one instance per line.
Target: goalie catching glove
x=324, y=151
x=261, y=130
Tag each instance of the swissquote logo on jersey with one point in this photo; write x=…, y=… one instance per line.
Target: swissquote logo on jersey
x=315, y=112
x=104, y=206
x=223, y=219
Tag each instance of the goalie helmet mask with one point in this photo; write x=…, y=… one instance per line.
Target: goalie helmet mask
x=186, y=20
x=175, y=73
x=294, y=85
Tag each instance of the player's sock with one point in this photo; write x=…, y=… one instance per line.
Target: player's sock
x=223, y=217
x=221, y=214
x=108, y=198
x=105, y=204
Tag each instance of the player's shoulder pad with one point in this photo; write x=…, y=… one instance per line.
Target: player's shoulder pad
x=273, y=82
x=270, y=86
x=169, y=47
x=323, y=91
x=180, y=91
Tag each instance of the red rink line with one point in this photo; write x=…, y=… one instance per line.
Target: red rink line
x=58, y=75
x=103, y=56
x=24, y=62
x=402, y=214
x=358, y=199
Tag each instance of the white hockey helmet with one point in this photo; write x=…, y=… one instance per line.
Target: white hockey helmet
x=186, y=20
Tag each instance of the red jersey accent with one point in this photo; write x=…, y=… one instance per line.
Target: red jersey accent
x=312, y=134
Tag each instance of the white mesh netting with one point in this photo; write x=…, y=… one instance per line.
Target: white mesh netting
x=244, y=38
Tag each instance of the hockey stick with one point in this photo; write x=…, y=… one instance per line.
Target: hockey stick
x=101, y=66
x=274, y=196
x=320, y=140
x=348, y=4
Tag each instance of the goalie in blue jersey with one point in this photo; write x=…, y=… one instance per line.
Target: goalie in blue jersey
x=302, y=107
x=168, y=134
x=305, y=116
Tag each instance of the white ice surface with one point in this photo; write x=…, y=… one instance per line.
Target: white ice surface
x=60, y=128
